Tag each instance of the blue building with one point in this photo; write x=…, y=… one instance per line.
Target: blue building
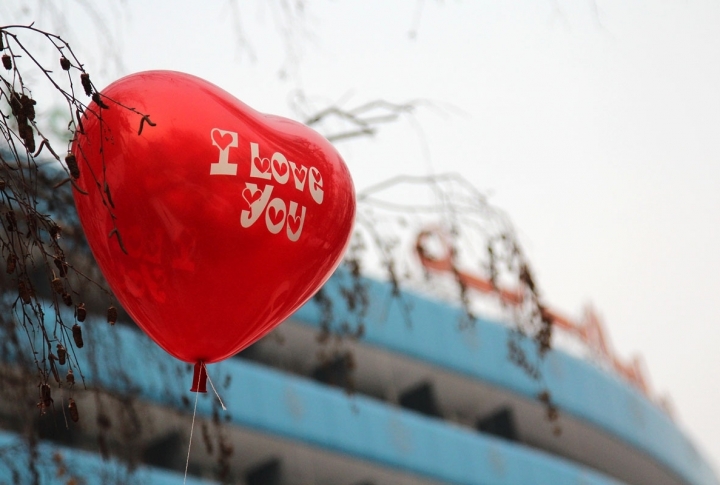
x=415, y=399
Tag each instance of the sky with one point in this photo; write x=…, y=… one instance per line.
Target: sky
x=594, y=124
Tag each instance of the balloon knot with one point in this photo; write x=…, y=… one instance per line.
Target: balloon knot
x=199, y=382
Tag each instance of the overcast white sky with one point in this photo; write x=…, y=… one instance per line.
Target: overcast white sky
x=595, y=124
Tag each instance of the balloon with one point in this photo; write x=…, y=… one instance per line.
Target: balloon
x=216, y=222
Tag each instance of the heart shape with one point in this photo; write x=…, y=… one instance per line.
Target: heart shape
x=262, y=164
x=300, y=174
x=294, y=223
x=220, y=278
x=276, y=215
x=318, y=178
x=250, y=196
x=280, y=168
x=222, y=141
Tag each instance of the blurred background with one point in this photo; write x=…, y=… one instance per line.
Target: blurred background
x=591, y=124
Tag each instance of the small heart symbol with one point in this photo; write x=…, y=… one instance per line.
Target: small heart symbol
x=300, y=174
x=250, y=196
x=294, y=223
x=262, y=164
x=222, y=141
x=276, y=216
x=280, y=168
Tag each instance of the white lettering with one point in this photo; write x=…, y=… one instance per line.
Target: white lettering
x=275, y=215
x=224, y=141
x=295, y=222
x=257, y=201
x=316, y=182
x=299, y=175
x=280, y=168
x=259, y=167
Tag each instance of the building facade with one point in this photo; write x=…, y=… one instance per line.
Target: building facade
x=408, y=395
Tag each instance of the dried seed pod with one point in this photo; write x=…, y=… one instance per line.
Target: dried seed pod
x=2, y=184
x=98, y=100
x=55, y=231
x=70, y=377
x=11, y=263
x=79, y=121
x=28, y=136
x=61, y=265
x=77, y=336
x=112, y=315
x=85, y=81
x=81, y=312
x=28, y=106
x=45, y=398
x=73, y=410
x=72, y=166
x=57, y=285
x=2, y=45
x=45, y=393
x=67, y=299
x=7, y=62
x=61, y=354
x=16, y=107
x=64, y=63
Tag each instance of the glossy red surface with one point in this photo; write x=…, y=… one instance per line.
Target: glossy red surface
x=231, y=219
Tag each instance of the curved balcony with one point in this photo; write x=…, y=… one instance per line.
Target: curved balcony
x=606, y=423
x=354, y=438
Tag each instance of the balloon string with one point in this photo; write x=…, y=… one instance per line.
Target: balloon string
x=213, y=388
x=192, y=427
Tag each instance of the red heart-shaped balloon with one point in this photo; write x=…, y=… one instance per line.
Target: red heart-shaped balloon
x=231, y=219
